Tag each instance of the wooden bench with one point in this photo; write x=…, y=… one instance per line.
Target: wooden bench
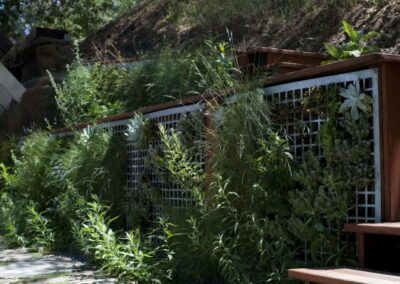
x=342, y=276
x=378, y=245
x=378, y=250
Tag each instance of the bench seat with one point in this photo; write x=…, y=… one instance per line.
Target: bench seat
x=392, y=229
x=342, y=276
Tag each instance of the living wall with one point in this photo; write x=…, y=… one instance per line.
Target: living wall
x=49, y=181
x=263, y=211
x=257, y=210
x=90, y=92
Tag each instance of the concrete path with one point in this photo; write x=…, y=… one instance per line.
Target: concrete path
x=22, y=266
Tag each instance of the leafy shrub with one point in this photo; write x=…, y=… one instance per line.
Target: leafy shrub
x=171, y=76
x=8, y=144
x=131, y=258
x=227, y=229
x=33, y=169
x=92, y=92
x=94, y=162
x=89, y=92
x=358, y=44
x=57, y=177
x=12, y=220
x=262, y=212
x=38, y=228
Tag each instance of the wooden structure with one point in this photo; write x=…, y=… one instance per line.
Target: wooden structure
x=387, y=68
x=342, y=276
x=279, y=60
x=377, y=75
x=378, y=243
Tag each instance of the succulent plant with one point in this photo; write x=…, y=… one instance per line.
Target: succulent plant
x=354, y=101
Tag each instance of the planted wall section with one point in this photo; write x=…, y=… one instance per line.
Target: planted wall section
x=145, y=178
x=145, y=181
x=301, y=123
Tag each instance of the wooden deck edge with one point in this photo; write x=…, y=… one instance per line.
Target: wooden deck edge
x=392, y=229
x=304, y=275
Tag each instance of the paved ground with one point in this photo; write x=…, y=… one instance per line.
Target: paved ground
x=22, y=266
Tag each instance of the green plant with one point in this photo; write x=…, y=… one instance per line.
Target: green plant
x=215, y=68
x=227, y=230
x=89, y=92
x=171, y=76
x=33, y=169
x=41, y=235
x=141, y=131
x=57, y=177
x=355, y=100
x=262, y=210
x=12, y=217
x=133, y=257
x=8, y=144
x=358, y=44
x=94, y=163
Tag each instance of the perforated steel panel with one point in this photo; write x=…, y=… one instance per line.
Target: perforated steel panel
x=302, y=127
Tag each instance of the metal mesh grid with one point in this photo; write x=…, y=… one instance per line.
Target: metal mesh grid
x=302, y=127
x=142, y=176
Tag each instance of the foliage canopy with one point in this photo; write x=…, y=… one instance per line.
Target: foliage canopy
x=80, y=18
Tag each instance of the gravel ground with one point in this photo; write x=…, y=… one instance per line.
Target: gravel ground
x=23, y=266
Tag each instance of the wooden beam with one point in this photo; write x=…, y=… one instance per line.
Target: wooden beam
x=392, y=229
x=342, y=276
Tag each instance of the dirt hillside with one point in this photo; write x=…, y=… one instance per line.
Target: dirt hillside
x=150, y=27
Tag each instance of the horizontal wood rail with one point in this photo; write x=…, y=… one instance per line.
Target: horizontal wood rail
x=392, y=229
x=342, y=276
x=377, y=245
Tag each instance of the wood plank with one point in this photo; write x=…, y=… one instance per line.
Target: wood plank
x=361, y=250
x=348, y=65
x=390, y=133
x=392, y=229
x=282, y=51
x=342, y=276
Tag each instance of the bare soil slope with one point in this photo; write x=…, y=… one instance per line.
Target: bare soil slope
x=150, y=27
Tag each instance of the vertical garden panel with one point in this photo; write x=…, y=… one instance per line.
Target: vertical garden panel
x=302, y=127
x=143, y=176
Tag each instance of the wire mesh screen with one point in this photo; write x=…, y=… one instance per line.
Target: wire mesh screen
x=143, y=176
x=146, y=178
x=302, y=127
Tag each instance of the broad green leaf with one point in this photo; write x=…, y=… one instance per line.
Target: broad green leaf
x=350, y=31
x=332, y=50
